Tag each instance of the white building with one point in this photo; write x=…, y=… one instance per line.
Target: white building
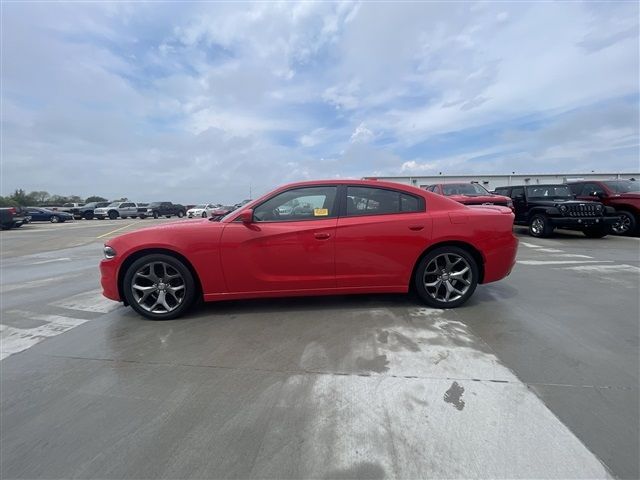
x=492, y=181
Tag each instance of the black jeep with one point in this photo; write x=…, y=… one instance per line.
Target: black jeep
x=546, y=207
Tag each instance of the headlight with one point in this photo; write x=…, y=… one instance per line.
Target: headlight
x=109, y=252
x=149, y=210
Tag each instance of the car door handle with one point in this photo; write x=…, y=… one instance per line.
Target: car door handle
x=322, y=236
x=416, y=228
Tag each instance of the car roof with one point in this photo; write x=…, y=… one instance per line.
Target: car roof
x=363, y=183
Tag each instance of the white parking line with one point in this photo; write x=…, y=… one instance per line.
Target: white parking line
x=50, y=261
x=549, y=250
x=91, y=301
x=530, y=245
x=605, y=268
x=569, y=255
x=15, y=340
x=559, y=262
x=36, y=283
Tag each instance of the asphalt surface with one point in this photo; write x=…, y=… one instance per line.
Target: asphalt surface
x=536, y=377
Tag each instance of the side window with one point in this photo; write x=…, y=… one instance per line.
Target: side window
x=127, y=205
x=310, y=203
x=379, y=201
x=576, y=188
x=589, y=188
x=515, y=191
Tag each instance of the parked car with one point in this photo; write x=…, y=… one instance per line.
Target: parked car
x=86, y=211
x=72, y=208
x=203, y=210
x=359, y=237
x=470, y=194
x=221, y=211
x=115, y=210
x=38, y=214
x=11, y=217
x=546, y=207
x=622, y=195
x=167, y=209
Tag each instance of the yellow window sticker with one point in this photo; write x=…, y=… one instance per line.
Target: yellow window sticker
x=320, y=212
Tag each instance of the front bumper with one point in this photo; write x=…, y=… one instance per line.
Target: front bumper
x=109, y=279
x=582, y=222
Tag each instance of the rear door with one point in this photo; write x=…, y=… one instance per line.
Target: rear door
x=380, y=234
x=289, y=252
x=519, y=204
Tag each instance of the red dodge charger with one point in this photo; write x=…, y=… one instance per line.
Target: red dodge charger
x=315, y=238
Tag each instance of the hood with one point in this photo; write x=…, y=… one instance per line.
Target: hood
x=626, y=196
x=157, y=234
x=479, y=198
x=553, y=203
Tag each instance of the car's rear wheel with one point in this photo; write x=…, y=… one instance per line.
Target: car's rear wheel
x=446, y=277
x=54, y=219
x=180, y=214
x=113, y=214
x=155, y=215
x=540, y=226
x=159, y=287
x=627, y=224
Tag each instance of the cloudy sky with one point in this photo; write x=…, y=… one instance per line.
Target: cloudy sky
x=197, y=101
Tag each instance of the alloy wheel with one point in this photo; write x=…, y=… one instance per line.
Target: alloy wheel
x=537, y=226
x=158, y=287
x=447, y=277
x=622, y=226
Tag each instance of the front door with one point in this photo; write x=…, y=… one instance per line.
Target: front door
x=289, y=246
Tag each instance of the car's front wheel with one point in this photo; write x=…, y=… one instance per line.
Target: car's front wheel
x=54, y=219
x=540, y=226
x=180, y=214
x=88, y=216
x=204, y=214
x=446, y=277
x=113, y=214
x=626, y=225
x=159, y=287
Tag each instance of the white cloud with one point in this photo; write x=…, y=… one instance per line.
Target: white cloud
x=361, y=134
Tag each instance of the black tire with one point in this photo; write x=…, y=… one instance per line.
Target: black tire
x=540, y=226
x=422, y=275
x=113, y=214
x=628, y=224
x=124, y=218
x=88, y=216
x=155, y=215
x=168, y=216
x=100, y=218
x=189, y=284
x=596, y=232
x=142, y=217
x=180, y=214
x=204, y=214
x=54, y=219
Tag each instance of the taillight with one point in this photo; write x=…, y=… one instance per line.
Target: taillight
x=13, y=210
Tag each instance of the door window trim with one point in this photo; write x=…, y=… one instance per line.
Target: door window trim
x=336, y=202
x=342, y=211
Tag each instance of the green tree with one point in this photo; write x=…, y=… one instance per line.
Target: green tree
x=40, y=196
x=22, y=198
x=7, y=202
x=95, y=198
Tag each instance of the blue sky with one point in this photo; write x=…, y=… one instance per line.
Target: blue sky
x=196, y=102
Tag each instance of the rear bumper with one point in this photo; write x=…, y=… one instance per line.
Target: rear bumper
x=582, y=222
x=500, y=259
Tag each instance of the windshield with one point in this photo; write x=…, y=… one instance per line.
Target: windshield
x=113, y=204
x=200, y=206
x=549, y=191
x=623, y=186
x=464, y=189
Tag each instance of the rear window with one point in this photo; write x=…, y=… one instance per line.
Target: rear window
x=380, y=201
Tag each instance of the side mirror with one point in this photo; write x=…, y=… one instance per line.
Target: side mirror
x=247, y=216
x=597, y=194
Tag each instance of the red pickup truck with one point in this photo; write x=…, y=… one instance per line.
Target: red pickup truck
x=623, y=195
x=470, y=194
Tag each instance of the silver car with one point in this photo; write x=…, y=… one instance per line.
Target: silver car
x=115, y=210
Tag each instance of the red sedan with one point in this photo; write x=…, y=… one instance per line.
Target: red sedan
x=470, y=194
x=315, y=238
